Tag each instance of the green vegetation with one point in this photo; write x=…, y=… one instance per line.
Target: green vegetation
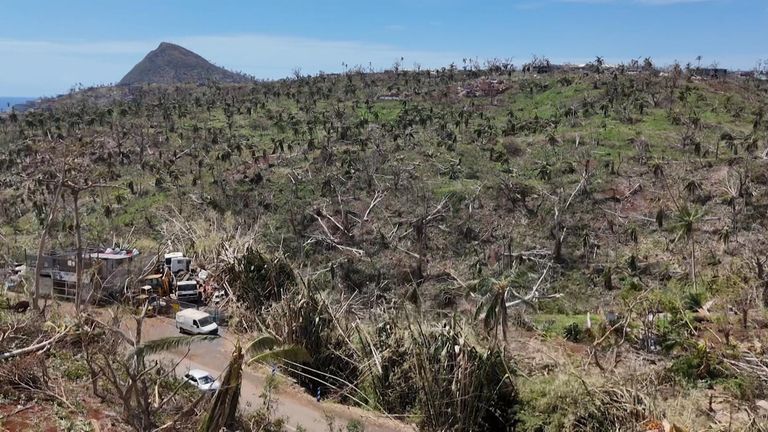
x=429, y=244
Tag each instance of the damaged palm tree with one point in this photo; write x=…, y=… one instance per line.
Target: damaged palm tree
x=223, y=410
x=460, y=385
x=501, y=295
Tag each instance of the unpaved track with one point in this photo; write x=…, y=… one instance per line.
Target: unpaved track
x=293, y=403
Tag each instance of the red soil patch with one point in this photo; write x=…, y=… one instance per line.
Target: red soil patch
x=16, y=418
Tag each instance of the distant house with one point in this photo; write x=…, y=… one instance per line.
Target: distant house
x=763, y=76
x=710, y=73
x=540, y=66
x=105, y=273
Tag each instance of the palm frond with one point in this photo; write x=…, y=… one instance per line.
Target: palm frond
x=481, y=308
x=493, y=311
x=481, y=286
x=686, y=219
x=293, y=353
x=263, y=342
x=167, y=344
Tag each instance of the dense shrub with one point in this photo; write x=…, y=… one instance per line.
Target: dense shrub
x=256, y=279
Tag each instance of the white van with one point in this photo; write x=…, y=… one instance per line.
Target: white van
x=195, y=321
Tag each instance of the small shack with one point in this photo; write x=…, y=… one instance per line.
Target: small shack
x=105, y=274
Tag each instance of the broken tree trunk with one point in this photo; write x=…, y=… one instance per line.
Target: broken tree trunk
x=42, y=242
x=34, y=347
x=79, y=251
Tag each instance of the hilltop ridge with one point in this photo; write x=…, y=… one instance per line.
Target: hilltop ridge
x=172, y=64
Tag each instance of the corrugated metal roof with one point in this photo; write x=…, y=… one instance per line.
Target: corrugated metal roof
x=110, y=256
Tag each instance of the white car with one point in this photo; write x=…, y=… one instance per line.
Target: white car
x=202, y=380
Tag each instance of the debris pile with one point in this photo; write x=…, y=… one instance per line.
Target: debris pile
x=391, y=96
x=176, y=280
x=483, y=88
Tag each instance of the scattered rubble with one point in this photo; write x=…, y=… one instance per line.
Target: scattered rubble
x=392, y=96
x=483, y=88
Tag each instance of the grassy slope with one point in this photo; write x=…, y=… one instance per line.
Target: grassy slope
x=330, y=145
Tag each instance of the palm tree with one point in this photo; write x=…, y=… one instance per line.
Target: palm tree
x=730, y=143
x=759, y=115
x=657, y=167
x=605, y=106
x=685, y=226
x=648, y=64
x=725, y=237
x=692, y=188
x=266, y=347
x=552, y=138
x=598, y=65
x=224, y=407
x=493, y=308
x=677, y=73
x=544, y=171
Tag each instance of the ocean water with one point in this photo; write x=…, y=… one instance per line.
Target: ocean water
x=7, y=102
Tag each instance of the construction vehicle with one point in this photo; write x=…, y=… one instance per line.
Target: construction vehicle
x=155, y=305
x=159, y=283
x=186, y=291
x=176, y=262
x=174, y=279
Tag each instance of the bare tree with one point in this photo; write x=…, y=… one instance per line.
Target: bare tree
x=130, y=378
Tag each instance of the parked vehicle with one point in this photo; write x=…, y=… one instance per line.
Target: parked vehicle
x=186, y=291
x=195, y=321
x=158, y=283
x=176, y=262
x=202, y=380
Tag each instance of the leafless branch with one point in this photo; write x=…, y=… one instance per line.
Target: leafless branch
x=377, y=197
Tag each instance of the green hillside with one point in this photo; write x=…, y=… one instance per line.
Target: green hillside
x=621, y=213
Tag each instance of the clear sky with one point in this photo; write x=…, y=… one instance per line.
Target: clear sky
x=47, y=46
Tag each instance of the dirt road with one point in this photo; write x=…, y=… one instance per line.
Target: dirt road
x=293, y=403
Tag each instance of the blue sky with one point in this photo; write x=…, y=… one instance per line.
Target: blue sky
x=47, y=46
